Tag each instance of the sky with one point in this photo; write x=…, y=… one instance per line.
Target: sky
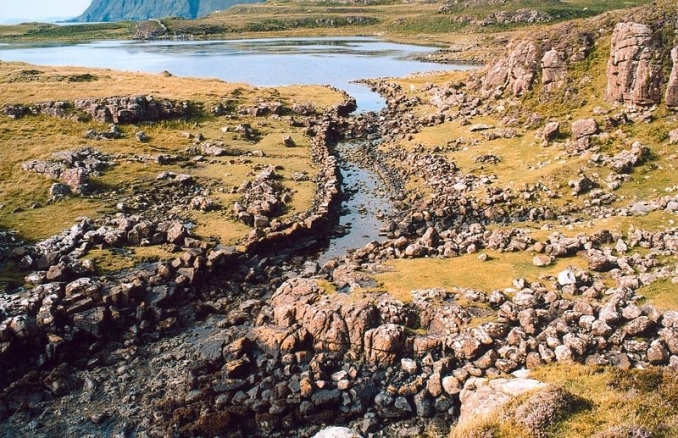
x=37, y=10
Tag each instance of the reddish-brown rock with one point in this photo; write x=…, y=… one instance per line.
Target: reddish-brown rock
x=553, y=70
x=517, y=71
x=384, y=343
x=671, y=97
x=634, y=67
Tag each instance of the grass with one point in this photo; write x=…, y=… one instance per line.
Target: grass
x=616, y=398
x=47, y=83
x=40, y=137
x=23, y=195
x=24, y=205
x=654, y=221
x=108, y=261
x=634, y=397
x=466, y=271
x=523, y=161
x=10, y=277
x=327, y=286
x=50, y=33
x=382, y=18
x=662, y=294
x=391, y=19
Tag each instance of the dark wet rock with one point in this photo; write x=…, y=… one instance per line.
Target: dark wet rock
x=326, y=398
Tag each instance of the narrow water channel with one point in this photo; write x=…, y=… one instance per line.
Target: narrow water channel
x=271, y=62
x=366, y=202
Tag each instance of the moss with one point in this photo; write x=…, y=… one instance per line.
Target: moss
x=663, y=294
x=328, y=287
x=10, y=276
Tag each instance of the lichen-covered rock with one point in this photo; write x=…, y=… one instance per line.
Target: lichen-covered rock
x=551, y=131
x=466, y=346
x=483, y=398
x=634, y=67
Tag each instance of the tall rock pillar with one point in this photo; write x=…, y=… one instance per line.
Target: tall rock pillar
x=634, y=67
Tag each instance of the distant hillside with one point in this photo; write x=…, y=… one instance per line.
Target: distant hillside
x=119, y=10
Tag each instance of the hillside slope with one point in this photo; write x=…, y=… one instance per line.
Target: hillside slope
x=119, y=10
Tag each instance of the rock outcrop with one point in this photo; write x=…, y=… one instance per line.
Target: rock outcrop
x=634, y=67
x=553, y=70
x=72, y=168
x=671, y=97
x=122, y=110
x=517, y=71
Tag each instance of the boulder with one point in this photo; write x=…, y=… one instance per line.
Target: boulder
x=212, y=150
x=424, y=404
x=86, y=286
x=516, y=71
x=466, y=346
x=551, y=131
x=581, y=185
x=76, y=178
x=384, y=343
x=638, y=326
x=141, y=137
x=657, y=354
x=541, y=260
x=329, y=398
x=273, y=340
x=566, y=277
x=176, y=233
x=288, y=142
x=673, y=136
x=337, y=432
x=584, y=127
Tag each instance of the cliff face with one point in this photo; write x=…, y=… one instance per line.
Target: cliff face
x=642, y=67
x=119, y=10
x=634, y=69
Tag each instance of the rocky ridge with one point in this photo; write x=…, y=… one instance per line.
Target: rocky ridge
x=635, y=74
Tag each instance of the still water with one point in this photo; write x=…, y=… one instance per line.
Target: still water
x=260, y=62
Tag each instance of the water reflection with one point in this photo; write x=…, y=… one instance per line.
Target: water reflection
x=260, y=62
x=366, y=201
